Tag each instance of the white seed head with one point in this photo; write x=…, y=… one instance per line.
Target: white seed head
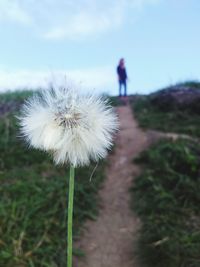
x=74, y=128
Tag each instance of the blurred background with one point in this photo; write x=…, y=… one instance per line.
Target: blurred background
x=44, y=41
x=139, y=207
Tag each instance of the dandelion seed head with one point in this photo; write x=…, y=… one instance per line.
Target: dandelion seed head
x=74, y=128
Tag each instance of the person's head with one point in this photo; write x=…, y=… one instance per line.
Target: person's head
x=121, y=62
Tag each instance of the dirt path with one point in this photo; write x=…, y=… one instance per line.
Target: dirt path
x=108, y=242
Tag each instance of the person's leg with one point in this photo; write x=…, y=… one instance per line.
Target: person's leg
x=124, y=88
x=120, y=87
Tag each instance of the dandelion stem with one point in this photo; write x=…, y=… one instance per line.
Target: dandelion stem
x=70, y=216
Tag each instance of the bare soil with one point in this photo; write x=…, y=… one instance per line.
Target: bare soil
x=109, y=241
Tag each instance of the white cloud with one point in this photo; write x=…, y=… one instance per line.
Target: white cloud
x=101, y=79
x=86, y=24
x=12, y=11
x=70, y=19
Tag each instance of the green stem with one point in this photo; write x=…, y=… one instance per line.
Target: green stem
x=70, y=216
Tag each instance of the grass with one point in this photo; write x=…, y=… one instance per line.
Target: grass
x=166, y=198
x=115, y=101
x=19, y=95
x=194, y=84
x=34, y=198
x=170, y=119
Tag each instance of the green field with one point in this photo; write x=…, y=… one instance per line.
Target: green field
x=34, y=197
x=166, y=198
x=166, y=194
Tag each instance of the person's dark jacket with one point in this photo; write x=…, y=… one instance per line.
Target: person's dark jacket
x=122, y=73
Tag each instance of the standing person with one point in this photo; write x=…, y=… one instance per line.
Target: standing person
x=122, y=76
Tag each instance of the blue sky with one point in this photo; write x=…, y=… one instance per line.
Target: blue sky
x=51, y=41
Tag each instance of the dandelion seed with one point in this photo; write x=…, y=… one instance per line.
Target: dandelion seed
x=74, y=128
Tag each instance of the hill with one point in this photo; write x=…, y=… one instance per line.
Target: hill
x=172, y=109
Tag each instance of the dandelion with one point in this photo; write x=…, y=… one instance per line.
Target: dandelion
x=74, y=128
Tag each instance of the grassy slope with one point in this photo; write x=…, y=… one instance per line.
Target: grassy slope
x=166, y=194
x=169, y=120
x=166, y=197
x=33, y=198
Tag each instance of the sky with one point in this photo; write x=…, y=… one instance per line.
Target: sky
x=58, y=41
